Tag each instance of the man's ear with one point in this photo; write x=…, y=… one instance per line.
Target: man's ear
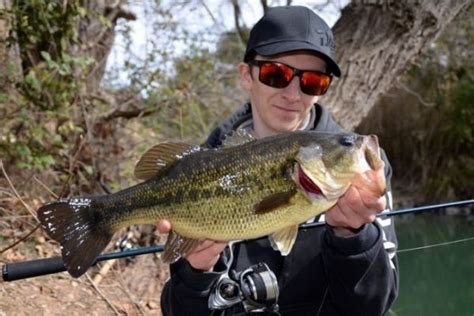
x=245, y=77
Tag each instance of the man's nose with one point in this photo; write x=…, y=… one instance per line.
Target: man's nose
x=292, y=92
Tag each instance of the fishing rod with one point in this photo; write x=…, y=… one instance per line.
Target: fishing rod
x=27, y=269
x=412, y=210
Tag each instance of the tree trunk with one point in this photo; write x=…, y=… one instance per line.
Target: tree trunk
x=376, y=41
x=10, y=63
x=96, y=38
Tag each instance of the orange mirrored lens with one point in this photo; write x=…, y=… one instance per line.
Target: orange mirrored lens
x=314, y=83
x=275, y=75
x=278, y=75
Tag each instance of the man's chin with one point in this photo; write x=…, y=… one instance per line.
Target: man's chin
x=284, y=126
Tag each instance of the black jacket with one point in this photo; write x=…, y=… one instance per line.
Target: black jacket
x=323, y=275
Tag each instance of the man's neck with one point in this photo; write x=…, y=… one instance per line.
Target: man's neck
x=259, y=130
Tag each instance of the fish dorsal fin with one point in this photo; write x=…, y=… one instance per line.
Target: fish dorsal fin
x=237, y=137
x=284, y=239
x=178, y=246
x=161, y=157
x=273, y=201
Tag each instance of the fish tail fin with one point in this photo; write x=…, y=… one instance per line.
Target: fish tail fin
x=78, y=225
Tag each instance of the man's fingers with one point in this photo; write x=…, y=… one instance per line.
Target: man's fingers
x=206, y=255
x=355, y=208
x=210, y=246
x=204, y=245
x=372, y=180
x=351, y=207
x=372, y=202
x=164, y=226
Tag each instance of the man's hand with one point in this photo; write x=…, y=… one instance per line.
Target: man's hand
x=205, y=256
x=358, y=206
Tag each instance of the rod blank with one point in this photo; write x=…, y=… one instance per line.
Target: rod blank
x=38, y=267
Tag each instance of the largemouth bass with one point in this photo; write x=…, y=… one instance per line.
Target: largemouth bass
x=249, y=190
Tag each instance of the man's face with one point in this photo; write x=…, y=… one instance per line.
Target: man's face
x=277, y=110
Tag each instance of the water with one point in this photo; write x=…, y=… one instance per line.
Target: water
x=440, y=280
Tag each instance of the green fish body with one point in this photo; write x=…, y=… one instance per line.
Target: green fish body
x=245, y=191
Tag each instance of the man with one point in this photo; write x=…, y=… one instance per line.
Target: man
x=340, y=268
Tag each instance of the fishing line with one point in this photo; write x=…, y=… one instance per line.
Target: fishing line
x=436, y=245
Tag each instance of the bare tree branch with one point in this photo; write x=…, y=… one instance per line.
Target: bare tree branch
x=102, y=295
x=28, y=208
x=208, y=10
x=264, y=4
x=21, y=239
x=237, y=20
x=320, y=7
x=128, y=114
x=405, y=88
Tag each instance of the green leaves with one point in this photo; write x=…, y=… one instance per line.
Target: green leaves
x=41, y=123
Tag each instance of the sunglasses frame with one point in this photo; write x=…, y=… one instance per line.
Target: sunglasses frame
x=296, y=73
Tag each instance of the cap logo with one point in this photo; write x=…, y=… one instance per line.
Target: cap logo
x=327, y=40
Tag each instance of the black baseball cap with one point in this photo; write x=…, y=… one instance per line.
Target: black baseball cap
x=290, y=28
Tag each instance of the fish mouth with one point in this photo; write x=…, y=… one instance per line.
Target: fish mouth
x=306, y=183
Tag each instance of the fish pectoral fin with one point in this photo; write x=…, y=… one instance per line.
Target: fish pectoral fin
x=284, y=239
x=178, y=246
x=161, y=157
x=273, y=201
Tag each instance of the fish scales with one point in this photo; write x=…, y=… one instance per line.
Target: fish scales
x=262, y=187
x=229, y=185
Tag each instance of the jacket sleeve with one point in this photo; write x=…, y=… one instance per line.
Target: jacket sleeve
x=187, y=291
x=362, y=270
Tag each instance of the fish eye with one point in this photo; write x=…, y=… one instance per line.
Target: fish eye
x=347, y=140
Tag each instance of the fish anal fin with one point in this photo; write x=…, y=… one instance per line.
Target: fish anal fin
x=161, y=157
x=273, y=201
x=284, y=239
x=178, y=246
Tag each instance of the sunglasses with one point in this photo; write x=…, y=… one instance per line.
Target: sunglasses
x=279, y=75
